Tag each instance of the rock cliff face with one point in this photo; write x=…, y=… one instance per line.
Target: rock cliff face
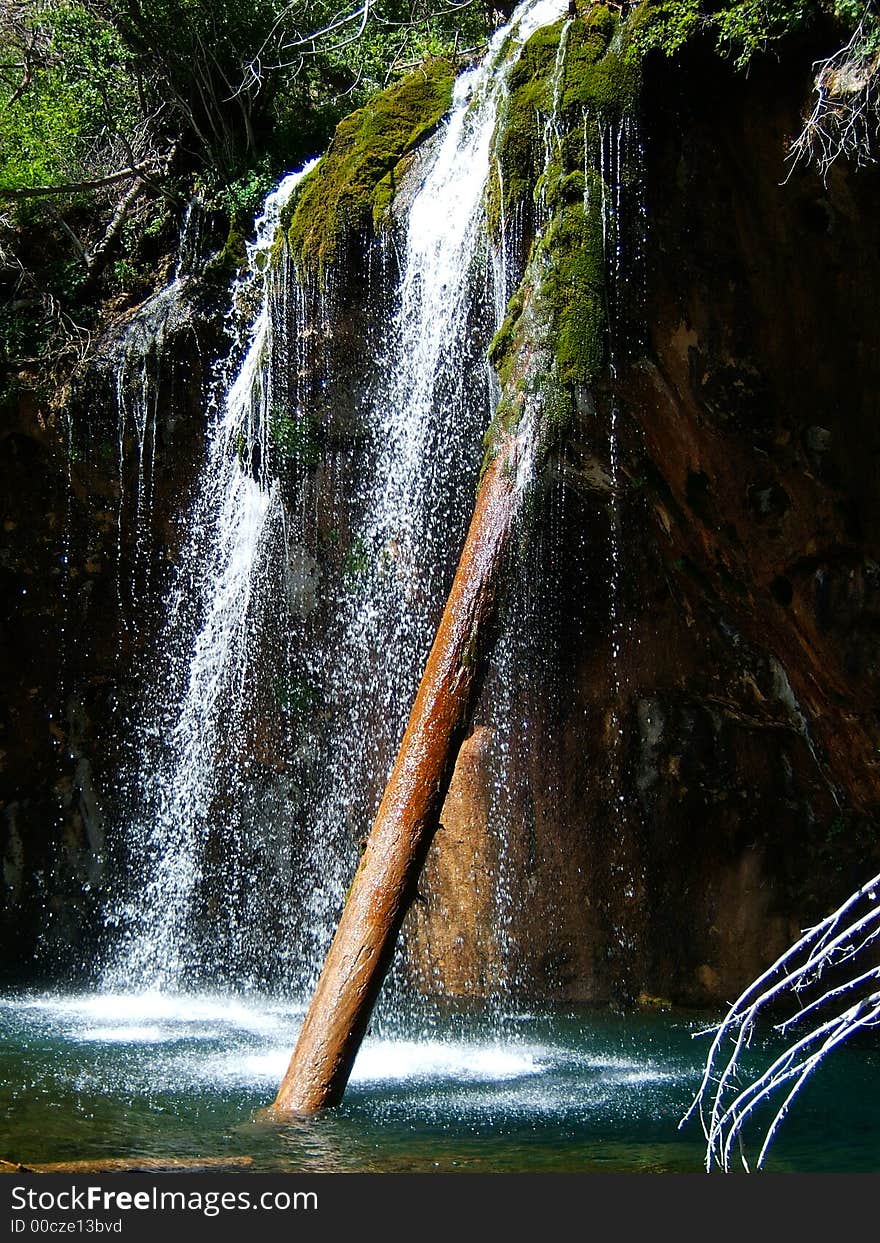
x=685, y=805
x=696, y=644
x=93, y=482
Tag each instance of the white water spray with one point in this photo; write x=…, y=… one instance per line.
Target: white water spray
x=197, y=714
x=426, y=421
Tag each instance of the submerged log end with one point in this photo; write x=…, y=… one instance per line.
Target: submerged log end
x=304, y=1091
x=300, y=1100
x=307, y=1086
x=304, y=1088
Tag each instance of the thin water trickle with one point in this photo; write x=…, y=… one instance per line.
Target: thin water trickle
x=135, y=358
x=613, y=153
x=551, y=133
x=65, y=555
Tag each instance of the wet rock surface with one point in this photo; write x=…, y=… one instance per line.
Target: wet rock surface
x=692, y=801
x=92, y=500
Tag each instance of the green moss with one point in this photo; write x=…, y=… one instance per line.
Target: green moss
x=519, y=154
x=353, y=185
x=601, y=83
x=601, y=73
x=554, y=339
x=601, y=21
x=573, y=291
x=493, y=202
x=296, y=437
x=500, y=350
x=383, y=196
x=573, y=187
x=234, y=251
x=558, y=409
x=586, y=53
x=537, y=58
x=231, y=257
x=505, y=419
x=519, y=146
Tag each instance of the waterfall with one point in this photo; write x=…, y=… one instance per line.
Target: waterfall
x=223, y=886
x=200, y=706
x=425, y=424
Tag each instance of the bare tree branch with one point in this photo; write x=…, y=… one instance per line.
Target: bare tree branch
x=845, y=119
x=75, y=187
x=94, y=259
x=280, y=51
x=723, y=1103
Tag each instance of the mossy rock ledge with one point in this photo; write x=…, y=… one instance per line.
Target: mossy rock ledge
x=351, y=189
x=548, y=176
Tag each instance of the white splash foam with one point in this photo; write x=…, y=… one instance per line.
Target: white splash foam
x=389, y=1062
x=125, y=1014
x=433, y=1059
x=122, y=1035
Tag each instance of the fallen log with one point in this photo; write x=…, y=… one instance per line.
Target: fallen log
x=129, y=1165
x=14, y=1167
x=385, y=882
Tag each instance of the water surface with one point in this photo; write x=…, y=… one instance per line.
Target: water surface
x=97, y=1076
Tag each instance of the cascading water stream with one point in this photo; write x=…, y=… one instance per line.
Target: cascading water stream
x=551, y=134
x=200, y=705
x=426, y=421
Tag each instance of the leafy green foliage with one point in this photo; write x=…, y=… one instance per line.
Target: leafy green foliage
x=667, y=25
x=216, y=95
x=63, y=104
x=253, y=76
x=744, y=28
x=750, y=26
x=237, y=85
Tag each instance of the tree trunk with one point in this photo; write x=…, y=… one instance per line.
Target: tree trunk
x=385, y=882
